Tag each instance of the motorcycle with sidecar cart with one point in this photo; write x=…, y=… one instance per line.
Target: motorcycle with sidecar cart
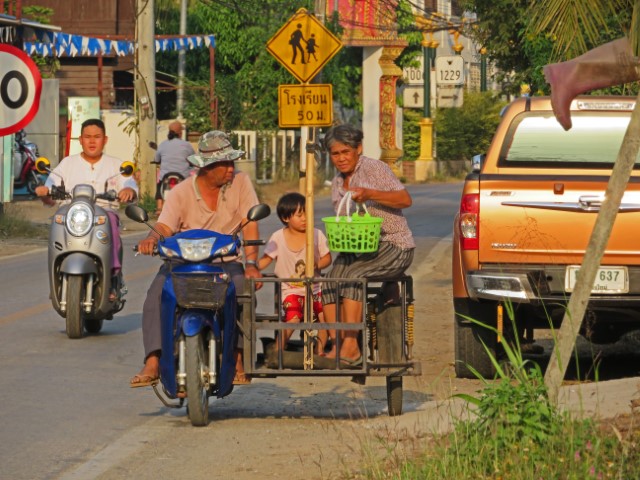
x=201, y=328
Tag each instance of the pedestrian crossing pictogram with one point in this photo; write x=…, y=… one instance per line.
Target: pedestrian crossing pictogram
x=303, y=45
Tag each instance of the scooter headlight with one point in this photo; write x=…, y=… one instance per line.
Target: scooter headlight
x=195, y=250
x=79, y=219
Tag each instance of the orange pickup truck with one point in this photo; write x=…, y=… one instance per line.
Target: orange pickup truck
x=525, y=219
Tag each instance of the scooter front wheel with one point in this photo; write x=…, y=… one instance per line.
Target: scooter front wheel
x=32, y=183
x=197, y=384
x=75, y=311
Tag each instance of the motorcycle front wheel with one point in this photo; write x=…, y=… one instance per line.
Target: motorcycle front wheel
x=197, y=386
x=75, y=311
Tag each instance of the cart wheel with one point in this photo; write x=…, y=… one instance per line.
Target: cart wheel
x=394, y=395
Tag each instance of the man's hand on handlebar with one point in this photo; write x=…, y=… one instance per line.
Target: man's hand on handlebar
x=147, y=246
x=126, y=195
x=43, y=192
x=251, y=271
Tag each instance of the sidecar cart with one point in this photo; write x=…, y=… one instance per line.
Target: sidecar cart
x=385, y=332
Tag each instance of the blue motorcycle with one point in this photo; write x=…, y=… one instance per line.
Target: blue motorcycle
x=198, y=314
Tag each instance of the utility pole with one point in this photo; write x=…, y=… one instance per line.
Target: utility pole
x=182, y=56
x=145, y=88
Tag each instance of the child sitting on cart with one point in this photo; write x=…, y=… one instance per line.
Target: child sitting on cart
x=287, y=247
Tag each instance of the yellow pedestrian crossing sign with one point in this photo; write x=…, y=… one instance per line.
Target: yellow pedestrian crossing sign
x=303, y=45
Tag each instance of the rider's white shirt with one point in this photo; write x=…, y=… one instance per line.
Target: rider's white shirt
x=75, y=170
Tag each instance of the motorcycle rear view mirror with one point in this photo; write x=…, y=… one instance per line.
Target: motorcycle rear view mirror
x=139, y=214
x=43, y=165
x=127, y=169
x=136, y=213
x=258, y=212
x=255, y=213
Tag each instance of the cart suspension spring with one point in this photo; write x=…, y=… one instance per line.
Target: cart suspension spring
x=371, y=325
x=409, y=329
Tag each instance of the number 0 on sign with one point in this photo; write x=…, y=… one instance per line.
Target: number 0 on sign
x=20, y=87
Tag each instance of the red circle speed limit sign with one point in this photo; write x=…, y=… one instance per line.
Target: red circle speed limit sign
x=20, y=87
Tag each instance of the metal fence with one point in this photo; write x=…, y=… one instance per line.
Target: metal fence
x=273, y=155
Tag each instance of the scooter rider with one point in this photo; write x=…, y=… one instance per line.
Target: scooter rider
x=172, y=157
x=217, y=198
x=93, y=167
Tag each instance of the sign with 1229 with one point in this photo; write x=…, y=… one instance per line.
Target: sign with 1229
x=305, y=105
x=450, y=70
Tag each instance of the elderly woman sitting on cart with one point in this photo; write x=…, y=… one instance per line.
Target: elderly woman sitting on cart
x=373, y=183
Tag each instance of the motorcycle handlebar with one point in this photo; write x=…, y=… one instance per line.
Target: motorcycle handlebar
x=155, y=250
x=253, y=243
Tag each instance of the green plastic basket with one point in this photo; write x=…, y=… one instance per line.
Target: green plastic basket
x=353, y=234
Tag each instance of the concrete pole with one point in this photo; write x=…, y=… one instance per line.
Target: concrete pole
x=182, y=56
x=145, y=88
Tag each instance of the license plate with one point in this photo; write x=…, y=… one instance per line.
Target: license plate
x=608, y=280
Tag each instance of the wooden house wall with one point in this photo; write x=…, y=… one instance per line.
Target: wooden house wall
x=79, y=76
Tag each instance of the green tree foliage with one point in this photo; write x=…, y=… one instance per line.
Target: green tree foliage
x=501, y=28
x=48, y=66
x=519, y=41
x=411, y=133
x=464, y=132
x=246, y=74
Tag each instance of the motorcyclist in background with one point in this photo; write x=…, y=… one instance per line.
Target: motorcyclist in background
x=94, y=168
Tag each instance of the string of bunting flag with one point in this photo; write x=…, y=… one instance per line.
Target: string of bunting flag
x=63, y=44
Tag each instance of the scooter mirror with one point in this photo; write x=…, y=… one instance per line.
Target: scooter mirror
x=43, y=165
x=127, y=169
x=136, y=213
x=258, y=212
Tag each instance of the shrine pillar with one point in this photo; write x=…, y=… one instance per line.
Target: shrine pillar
x=390, y=153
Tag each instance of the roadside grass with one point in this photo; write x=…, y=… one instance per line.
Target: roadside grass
x=514, y=432
x=15, y=224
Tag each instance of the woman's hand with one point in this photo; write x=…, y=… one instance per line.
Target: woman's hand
x=391, y=198
x=360, y=195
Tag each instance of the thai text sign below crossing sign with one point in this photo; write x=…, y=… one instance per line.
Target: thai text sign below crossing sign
x=20, y=87
x=305, y=105
x=303, y=45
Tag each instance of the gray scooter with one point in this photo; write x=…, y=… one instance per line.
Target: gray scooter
x=80, y=253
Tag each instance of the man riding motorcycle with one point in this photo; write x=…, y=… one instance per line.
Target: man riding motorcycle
x=94, y=168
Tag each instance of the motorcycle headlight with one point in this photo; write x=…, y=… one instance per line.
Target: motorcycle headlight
x=79, y=219
x=195, y=250
x=223, y=251
x=168, y=252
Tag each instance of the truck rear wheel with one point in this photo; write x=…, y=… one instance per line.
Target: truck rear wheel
x=469, y=338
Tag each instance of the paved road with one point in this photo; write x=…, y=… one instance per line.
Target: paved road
x=68, y=411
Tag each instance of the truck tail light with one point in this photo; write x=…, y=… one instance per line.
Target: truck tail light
x=469, y=221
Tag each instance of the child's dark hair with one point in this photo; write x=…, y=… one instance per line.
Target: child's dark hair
x=93, y=122
x=289, y=204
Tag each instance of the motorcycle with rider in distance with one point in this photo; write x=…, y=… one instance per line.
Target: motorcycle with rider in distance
x=198, y=314
x=25, y=155
x=81, y=284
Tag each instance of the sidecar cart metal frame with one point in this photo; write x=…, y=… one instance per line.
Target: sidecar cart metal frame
x=385, y=330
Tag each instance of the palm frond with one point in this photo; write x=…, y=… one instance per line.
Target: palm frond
x=574, y=24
